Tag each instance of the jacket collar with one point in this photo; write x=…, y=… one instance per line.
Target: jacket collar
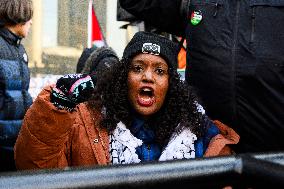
x=10, y=37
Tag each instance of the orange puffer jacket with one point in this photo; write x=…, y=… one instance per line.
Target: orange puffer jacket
x=52, y=138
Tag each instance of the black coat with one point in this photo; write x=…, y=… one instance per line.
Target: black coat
x=14, y=96
x=235, y=59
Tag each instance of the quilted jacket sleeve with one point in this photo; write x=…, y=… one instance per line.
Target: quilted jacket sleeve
x=42, y=140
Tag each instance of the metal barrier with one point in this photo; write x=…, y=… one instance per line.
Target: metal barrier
x=242, y=171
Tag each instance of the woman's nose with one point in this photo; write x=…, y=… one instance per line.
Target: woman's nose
x=148, y=76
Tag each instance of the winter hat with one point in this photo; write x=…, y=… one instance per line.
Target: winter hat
x=151, y=43
x=83, y=58
x=100, y=59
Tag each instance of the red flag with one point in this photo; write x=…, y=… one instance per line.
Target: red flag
x=95, y=37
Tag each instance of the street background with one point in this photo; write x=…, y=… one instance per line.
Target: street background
x=59, y=34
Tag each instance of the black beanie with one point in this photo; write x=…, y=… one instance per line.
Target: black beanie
x=151, y=43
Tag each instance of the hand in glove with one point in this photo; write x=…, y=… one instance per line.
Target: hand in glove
x=71, y=90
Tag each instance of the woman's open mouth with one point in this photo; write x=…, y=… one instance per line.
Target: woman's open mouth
x=146, y=97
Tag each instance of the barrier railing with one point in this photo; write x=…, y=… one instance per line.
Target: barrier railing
x=242, y=171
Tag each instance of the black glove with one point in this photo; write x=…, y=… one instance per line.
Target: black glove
x=71, y=90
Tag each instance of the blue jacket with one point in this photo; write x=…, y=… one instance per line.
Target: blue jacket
x=14, y=96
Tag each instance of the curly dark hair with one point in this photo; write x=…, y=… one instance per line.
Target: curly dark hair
x=179, y=106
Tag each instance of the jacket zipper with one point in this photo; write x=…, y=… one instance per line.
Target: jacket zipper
x=21, y=69
x=234, y=49
x=252, y=25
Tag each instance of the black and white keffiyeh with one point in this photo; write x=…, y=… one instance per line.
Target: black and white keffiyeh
x=123, y=146
x=181, y=146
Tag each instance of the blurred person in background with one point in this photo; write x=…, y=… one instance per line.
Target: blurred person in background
x=234, y=61
x=137, y=110
x=15, y=23
x=83, y=58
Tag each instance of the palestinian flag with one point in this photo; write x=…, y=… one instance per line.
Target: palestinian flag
x=95, y=36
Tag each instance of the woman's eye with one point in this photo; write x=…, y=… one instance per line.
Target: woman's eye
x=137, y=68
x=160, y=71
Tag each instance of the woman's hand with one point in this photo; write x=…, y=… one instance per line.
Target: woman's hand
x=71, y=90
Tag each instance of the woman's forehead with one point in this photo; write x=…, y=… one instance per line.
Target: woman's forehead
x=149, y=58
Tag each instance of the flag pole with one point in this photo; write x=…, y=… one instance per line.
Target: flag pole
x=90, y=24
